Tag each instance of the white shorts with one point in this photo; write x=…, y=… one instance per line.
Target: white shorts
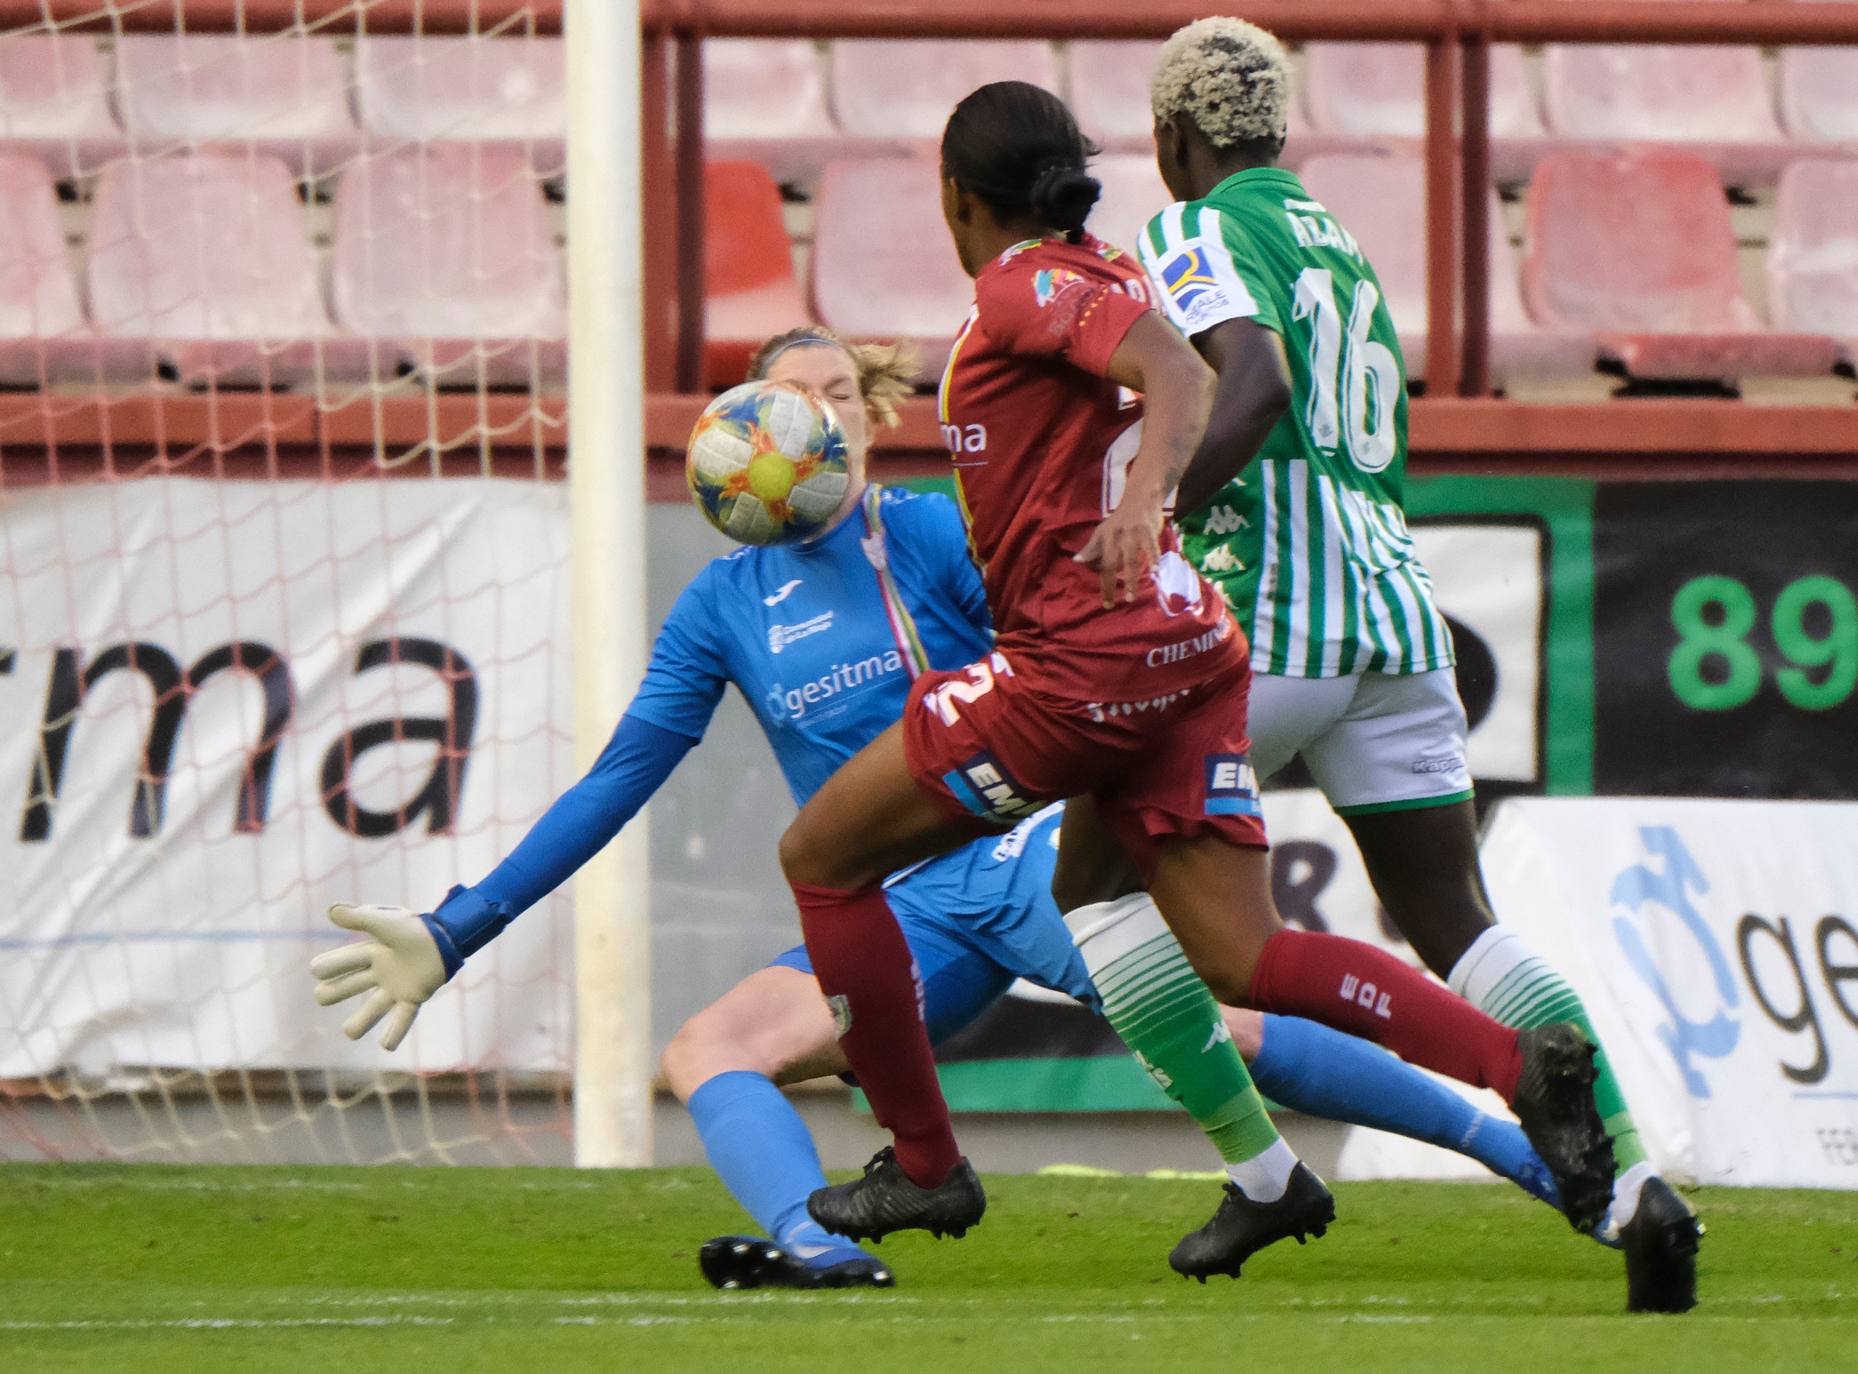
x=1372, y=741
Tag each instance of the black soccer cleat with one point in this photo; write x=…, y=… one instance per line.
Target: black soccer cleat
x=741, y=1262
x=1661, y=1244
x=886, y=1200
x=1241, y=1227
x=1554, y=1102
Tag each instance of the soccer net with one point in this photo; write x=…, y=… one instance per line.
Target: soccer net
x=284, y=574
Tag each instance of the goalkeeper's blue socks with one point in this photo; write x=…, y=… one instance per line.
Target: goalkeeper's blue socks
x=765, y=1156
x=1321, y=1072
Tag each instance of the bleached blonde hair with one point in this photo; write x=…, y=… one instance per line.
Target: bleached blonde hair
x=1231, y=78
x=886, y=371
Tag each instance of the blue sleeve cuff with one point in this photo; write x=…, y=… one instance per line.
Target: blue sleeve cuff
x=463, y=924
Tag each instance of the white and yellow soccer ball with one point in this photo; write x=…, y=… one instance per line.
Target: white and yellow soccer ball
x=767, y=463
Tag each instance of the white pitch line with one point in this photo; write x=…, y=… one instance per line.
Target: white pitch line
x=218, y=1323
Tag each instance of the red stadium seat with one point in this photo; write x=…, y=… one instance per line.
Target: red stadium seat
x=1813, y=251
x=1712, y=100
x=499, y=91
x=1133, y=194
x=883, y=266
x=1819, y=94
x=1382, y=201
x=750, y=291
x=1109, y=94
x=285, y=96
x=1639, y=247
x=904, y=89
x=43, y=336
x=765, y=98
x=1376, y=92
x=204, y=262
x=446, y=259
x=55, y=101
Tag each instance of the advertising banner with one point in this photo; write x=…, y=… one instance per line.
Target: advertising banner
x=1715, y=944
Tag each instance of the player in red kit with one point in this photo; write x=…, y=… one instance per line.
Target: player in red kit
x=1071, y=409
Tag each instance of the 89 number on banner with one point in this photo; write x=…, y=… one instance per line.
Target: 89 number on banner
x=1726, y=639
x=1814, y=625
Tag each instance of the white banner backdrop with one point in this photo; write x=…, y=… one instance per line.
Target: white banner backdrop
x=1716, y=946
x=162, y=880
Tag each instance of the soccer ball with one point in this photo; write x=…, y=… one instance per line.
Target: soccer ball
x=767, y=463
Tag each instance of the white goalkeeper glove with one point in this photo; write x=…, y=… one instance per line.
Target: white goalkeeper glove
x=399, y=966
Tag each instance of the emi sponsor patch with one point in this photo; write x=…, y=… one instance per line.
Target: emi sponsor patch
x=1231, y=786
x=988, y=790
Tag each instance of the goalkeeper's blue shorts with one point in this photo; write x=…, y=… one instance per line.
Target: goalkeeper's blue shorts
x=980, y=917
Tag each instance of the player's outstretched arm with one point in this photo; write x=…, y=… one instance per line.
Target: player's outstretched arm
x=1177, y=393
x=1252, y=395
x=398, y=966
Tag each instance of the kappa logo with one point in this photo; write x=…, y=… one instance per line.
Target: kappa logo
x=1225, y=520
x=1221, y=1035
x=1231, y=786
x=1221, y=559
x=782, y=594
x=1367, y=996
x=780, y=636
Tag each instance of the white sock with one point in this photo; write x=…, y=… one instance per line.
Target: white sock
x=1626, y=1189
x=1263, y=1178
x=1486, y=963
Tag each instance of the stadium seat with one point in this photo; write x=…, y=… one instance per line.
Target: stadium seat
x=1376, y=92
x=1133, y=194
x=1638, y=246
x=1109, y=93
x=1382, y=201
x=55, y=101
x=1819, y=94
x=1712, y=100
x=883, y=266
x=446, y=260
x=1813, y=251
x=750, y=291
x=203, y=263
x=903, y=89
x=497, y=91
x=766, y=99
x=43, y=335
x=285, y=96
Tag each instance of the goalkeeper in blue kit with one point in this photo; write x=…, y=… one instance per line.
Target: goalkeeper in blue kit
x=823, y=640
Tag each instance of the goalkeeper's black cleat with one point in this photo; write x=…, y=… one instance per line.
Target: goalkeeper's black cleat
x=1241, y=1227
x=741, y=1262
x=1554, y=1102
x=1661, y=1244
x=886, y=1200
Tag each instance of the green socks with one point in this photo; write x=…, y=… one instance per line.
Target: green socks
x=1172, y=1025
x=1505, y=979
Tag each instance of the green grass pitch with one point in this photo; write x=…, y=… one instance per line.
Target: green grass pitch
x=147, y=1268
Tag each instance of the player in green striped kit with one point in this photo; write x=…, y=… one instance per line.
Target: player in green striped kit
x=1353, y=661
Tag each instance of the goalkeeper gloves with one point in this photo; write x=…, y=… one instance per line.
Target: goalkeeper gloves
x=398, y=966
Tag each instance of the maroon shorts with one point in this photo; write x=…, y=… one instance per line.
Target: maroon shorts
x=993, y=751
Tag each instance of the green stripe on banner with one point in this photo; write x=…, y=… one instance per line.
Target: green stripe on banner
x=1102, y=1083
x=1565, y=507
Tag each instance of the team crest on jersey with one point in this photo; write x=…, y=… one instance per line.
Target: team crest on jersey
x=1231, y=786
x=1047, y=282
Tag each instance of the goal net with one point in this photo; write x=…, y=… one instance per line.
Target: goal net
x=284, y=571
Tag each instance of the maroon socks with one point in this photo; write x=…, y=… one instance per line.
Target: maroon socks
x=1365, y=991
x=864, y=967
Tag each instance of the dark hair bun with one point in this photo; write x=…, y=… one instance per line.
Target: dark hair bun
x=1062, y=197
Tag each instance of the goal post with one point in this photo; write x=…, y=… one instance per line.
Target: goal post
x=606, y=502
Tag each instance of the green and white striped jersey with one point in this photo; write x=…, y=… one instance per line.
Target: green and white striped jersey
x=1310, y=544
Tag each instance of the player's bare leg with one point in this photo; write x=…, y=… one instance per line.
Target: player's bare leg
x=1424, y=866
x=869, y=820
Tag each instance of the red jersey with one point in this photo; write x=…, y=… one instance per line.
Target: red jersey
x=1040, y=440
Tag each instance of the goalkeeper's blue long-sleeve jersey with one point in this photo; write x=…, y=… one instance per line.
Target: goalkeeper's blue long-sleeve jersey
x=822, y=641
